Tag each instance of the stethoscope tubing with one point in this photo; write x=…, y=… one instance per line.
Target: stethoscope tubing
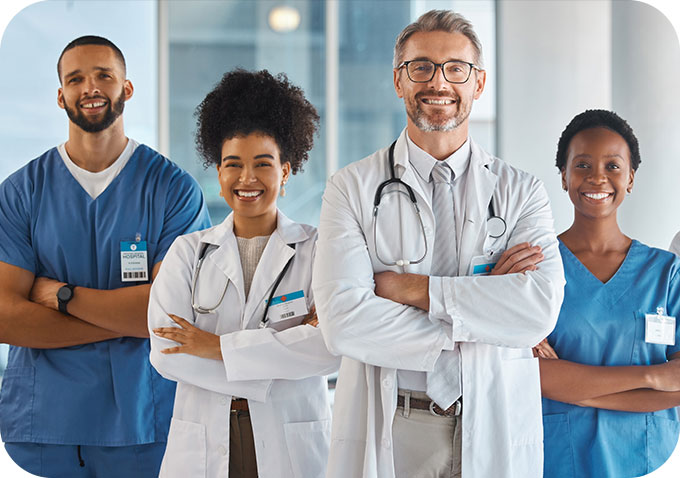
x=208, y=310
x=496, y=225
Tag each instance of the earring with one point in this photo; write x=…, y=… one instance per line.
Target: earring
x=282, y=191
x=221, y=194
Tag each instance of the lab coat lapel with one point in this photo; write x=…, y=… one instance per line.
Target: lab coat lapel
x=479, y=188
x=405, y=172
x=226, y=257
x=274, y=258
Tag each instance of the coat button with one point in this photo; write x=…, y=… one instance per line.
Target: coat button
x=385, y=443
x=222, y=449
x=224, y=400
x=387, y=383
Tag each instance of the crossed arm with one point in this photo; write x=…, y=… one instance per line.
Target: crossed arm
x=201, y=343
x=30, y=314
x=413, y=289
x=636, y=388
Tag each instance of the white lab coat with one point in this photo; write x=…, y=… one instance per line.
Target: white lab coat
x=495, y=319
x=280, y=369
x=675, y=245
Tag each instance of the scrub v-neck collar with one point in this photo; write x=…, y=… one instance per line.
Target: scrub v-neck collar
x=608, y=292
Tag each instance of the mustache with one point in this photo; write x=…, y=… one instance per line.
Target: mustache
x=97, y=97
x=451, y=95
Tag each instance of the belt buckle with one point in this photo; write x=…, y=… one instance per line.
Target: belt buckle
x=457, y=406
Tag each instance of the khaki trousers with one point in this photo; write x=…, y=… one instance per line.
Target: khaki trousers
x=426, y=446
x=242, y=463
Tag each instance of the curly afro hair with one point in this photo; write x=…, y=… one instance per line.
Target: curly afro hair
x=597, y=119
x=246, y=102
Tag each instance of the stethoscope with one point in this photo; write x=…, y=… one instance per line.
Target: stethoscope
x=495, y=225
x=208, y=310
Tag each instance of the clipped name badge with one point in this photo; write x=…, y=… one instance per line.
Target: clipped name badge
x=134, y=265
x=287, y=306
x=659, y=328
x=483, y=265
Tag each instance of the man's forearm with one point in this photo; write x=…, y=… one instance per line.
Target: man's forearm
x=407, y=289
x=123, y=311
x=26, y=324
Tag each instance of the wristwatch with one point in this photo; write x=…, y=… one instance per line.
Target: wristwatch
x=64, y=295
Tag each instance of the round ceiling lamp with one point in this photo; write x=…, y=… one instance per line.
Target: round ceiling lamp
x=284, y=19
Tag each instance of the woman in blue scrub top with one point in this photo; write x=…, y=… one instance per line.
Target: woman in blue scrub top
x=610, y=374
x=252, y=397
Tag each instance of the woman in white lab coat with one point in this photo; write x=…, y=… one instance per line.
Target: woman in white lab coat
x=251, y=390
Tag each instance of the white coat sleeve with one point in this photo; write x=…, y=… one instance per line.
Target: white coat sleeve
x=513, y=310
x=264, y=354
x=355, y=322
x=171, y=294
x=675, y=245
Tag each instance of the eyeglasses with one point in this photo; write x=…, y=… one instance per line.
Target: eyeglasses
x=422, y=71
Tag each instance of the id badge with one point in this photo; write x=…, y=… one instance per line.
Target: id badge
x=659, y=328
x=287, y=306
x=134, y=265
x=484, y=264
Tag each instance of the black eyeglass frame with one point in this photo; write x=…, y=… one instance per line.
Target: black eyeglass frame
x=439, y=65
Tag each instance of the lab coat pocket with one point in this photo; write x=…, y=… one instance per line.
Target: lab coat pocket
x=16, y=403
x=185, y=454
x=308, y=447
x=523, y=400
x=662, y=437
x=558, y=460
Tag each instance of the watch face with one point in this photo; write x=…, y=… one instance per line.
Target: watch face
x=64, y=294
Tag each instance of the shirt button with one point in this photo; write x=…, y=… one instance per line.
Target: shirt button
x=224, y=400
x=385, y=443
x=222, y=449
x=387, y=383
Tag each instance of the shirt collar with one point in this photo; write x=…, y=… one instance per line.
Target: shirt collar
x=423, y=162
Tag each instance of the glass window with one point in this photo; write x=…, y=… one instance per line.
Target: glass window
x=208, y=38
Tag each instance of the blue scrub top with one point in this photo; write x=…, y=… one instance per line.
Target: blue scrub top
x=604, y=324
x=105, y=393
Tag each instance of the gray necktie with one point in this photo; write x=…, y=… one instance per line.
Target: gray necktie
x=443, y=383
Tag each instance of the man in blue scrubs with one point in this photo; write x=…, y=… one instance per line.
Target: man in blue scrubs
x=83, y=230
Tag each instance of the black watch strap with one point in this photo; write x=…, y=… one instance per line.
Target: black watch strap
x=64, y=295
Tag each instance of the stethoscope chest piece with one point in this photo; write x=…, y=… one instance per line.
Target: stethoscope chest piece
x=495, y=227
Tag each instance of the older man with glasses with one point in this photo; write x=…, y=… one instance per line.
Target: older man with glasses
x=427, y=282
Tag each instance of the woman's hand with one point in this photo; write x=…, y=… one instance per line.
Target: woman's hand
x=311, y=318
x=519, y=258
x=192, y=340
x=544, y=350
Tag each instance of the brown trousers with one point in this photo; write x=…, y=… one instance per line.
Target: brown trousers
x=242, y=463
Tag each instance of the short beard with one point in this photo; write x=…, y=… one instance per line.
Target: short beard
x=112, y=113
x=423, y=123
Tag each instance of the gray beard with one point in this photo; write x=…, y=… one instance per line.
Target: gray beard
x=423, y=124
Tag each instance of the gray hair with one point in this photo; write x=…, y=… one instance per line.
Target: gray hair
x=436, y=21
